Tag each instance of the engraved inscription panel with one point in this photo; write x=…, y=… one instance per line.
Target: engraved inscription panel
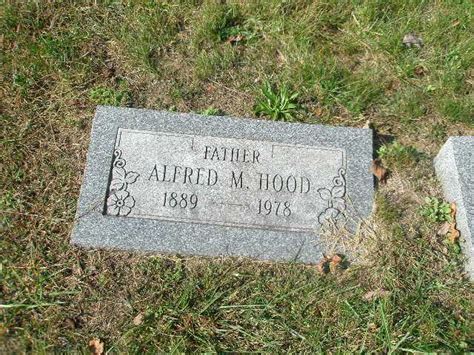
x=225, y=181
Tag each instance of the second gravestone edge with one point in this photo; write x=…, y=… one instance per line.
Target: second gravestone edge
x=454, y=167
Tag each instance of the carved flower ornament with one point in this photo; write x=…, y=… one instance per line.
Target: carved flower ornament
x=334, y=197
x=119, y=201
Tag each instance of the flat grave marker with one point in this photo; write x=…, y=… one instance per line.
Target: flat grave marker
x=220, y=186
x=454, y=166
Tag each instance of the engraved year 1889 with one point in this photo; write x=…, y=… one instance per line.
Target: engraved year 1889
x=183, y=200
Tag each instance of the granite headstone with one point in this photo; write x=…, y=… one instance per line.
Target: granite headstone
x=454, y=167
x=220, y=186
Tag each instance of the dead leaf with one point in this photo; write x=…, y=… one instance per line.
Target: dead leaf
x=235, y=39
x=318, y=111
x=453, y=210
x=77, y=269
x=335, y=263
x=336, y=259
x=412, y=40
x=373, y=295
x=323, y=266
x=281, y=59
x=368, y=124
x=96, y=346
x=379, y=171
x=393, y=84
x=330, y=264
x=372, y=327
x=138, y=319
x=420, y=70
x=454, y=233
x=110, y=69
x=444, y=229
x=69, y=323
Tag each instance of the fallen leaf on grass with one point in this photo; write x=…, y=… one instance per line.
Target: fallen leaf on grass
x=210, y=88
x=323, y=266
x=444, y=229
x=379, y=171
x=453, y=211
x=455, y=23
x=412, y=40
x=336, y=260
x=235, y=39
x=281, y=59
x=372, y=327
x=318, y=111
x=96, y=346
x=368, y=124
x=449, y=228
x=138, y=319
x=69, y=323
x=373, y=295
x=77, y=270
x=335, y=263
x=420, y=70
x=330, y=264
x=454, y=234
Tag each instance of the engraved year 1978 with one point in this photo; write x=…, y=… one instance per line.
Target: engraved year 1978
x=278, y=208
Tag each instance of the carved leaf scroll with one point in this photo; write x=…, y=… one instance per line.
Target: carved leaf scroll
x=334, y=197
x=119, y=200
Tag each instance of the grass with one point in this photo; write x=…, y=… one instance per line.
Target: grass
x=396, y=155
x=211, y=111
x=279, y=105
x=344, y=59
x=436, y=210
